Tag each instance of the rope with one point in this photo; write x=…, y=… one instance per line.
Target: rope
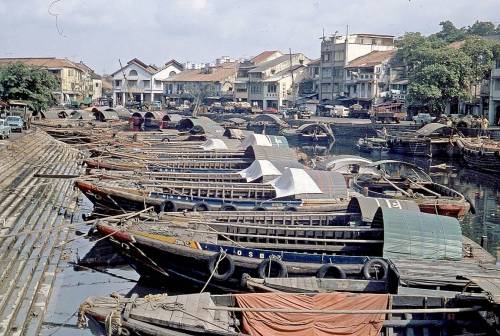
x=221, y=257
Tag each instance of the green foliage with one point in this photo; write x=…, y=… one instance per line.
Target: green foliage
x=33, y=84
x=439, y=72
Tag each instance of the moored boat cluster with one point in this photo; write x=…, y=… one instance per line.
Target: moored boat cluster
x=264, y=243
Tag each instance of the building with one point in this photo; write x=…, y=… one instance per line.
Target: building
x=242, y=79
x=494, y=101
x=309, y=85
x=97, y=89
x=74, y=79
x=143, y=83
x=215, y=82
x=270, y=79
x=367, y=79
x=337, y=52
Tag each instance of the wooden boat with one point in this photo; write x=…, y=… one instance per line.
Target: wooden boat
x=402, y=180
x=295, y=190
x=172, y=165
x=199, y=254
x=258, y=171
x=373, y=145
x=278, y=313
x=315, y=132
x=433, y=139
x=483, y=154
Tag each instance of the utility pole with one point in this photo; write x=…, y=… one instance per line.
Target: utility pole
x=333, y=60
x=293, y=82
x=125, y=82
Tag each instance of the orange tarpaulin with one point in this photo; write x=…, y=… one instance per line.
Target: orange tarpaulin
x=310, y=324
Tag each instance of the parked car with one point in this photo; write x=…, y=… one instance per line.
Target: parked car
x=16, y=123
x=423, y=118
x=4, y=129
x=304, y=113
x=340, y=111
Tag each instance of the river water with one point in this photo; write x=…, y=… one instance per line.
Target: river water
x=74, y=285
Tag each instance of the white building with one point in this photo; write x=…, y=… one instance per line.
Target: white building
x=140, y=82
x=338, y=51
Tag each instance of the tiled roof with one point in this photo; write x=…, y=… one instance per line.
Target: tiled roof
x=269, y=64
x=45, y=62
x=217, y=74
x=263, y=56
x=371, y=59
x=174, y=63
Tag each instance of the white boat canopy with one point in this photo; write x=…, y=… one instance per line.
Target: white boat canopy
x=253, y=139
x=213, y=144
x=258, y=169
x=295, y=181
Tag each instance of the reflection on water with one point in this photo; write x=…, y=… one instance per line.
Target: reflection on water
x=481, y=189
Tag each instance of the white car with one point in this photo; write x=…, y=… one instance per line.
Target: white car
x=4, y=129
x=423, y=118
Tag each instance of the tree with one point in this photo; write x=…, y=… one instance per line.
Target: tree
x=33, y=84
x=442, y=75
x=482, y=28
x=449, y=33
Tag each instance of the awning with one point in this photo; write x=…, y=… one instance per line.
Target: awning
x=294, y=182
x=416, y=235
x=368, y=206
x=258, y=169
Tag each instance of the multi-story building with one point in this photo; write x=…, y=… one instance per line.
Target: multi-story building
x=241, y=83
x=139, y=82
x=337, y=52
x=74, y=78
x=367, y=79
x=270, y=79
x=216, y=82
x=309, y=86
x=494, y=104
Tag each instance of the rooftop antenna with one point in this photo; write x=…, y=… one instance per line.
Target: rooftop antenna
x=293, y=82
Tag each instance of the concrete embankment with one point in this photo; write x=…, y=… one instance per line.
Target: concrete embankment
x=35, y=222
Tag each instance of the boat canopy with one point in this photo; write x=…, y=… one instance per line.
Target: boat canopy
x=106, y=115
x=258, y=169
x=264, y=140
x=428, y=129
x=270, y=119
x=315, y=128
x=295, y=181
x=270, y=153
x=344, y=164
x=53, y=114
x=81, y=114
x=214, y=144
x=172, y=117
x=368, y=206
x=156, y=115
x=415, y=235
x=201, y=125
x=331, y=184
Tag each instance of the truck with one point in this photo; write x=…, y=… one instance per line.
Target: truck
x=388, y=112
x=4, y=129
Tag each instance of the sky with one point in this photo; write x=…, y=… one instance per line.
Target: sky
x=101, y=32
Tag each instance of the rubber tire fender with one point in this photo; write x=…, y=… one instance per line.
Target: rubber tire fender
x=262, y=269
x=375, y=262
x=339, y=273
x=212, y=261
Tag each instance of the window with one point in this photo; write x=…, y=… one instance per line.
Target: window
x=96, y=85
x=498, y=64
x=118, y=83
x=337, y=72
x=172, y=73
x=339, y=56
x=325, y=57
x=146, y=83
x=71, y=72
x=255, y=88
x=132, y=83
x=157, y=83
x=271, y=88
x=132, y=73
x=326, y=72
x=497, y=84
